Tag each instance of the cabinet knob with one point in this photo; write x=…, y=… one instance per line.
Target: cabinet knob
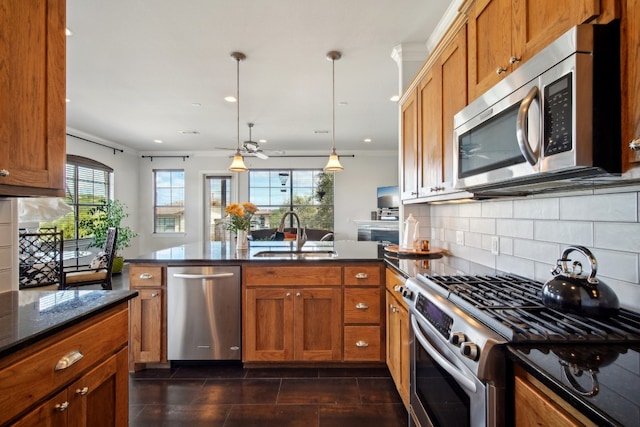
x=635, y=144
x=154, y=295
x=68, y=360
x=362, y=306
x=362, y=276
x=146, y=276
x=362, y=344
x=298, y=294
x=4, y=172
x=61, y=407
x=288, y=294
x=82, y=391
x=514, y=59
x=500, y=70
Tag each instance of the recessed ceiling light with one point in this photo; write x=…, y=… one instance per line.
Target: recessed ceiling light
x=189, y=132
x=196, y=104
x=68, y=32
x=157, y=141
x=367, y=140
x=262, y=141
x=394, y=98
x=230, y=98
x=343, y=103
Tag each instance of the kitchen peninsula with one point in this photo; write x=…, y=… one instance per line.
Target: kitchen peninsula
x=63, y=357
x=340, y=284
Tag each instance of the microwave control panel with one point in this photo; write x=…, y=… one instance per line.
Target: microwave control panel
x=558, y=116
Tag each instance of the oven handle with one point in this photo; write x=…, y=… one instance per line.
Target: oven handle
x=440, y=360
x=522, y=133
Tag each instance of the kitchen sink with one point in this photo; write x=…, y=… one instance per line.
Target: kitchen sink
x=283, y=254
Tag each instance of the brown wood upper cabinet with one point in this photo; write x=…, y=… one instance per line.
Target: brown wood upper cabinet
x=32, y=105
x=506, y=33
x=427, y=120
x=630, y=41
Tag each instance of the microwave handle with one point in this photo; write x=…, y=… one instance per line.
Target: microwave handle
x=522, y=133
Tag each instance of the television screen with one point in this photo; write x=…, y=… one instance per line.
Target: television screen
x=389, y=197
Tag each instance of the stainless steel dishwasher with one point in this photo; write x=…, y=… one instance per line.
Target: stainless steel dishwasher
x=203, y=313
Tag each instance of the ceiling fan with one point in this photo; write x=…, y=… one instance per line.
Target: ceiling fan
x=250, y=148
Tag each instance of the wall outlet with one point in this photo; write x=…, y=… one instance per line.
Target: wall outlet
x=495, y=245
x=460, y=237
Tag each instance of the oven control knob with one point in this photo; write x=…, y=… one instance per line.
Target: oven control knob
x=407, y=293
x=470, y=350
x=457, y=338
x=398, y=288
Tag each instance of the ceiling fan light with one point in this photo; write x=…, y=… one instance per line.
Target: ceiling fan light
x=237, y=165
x=333, y=165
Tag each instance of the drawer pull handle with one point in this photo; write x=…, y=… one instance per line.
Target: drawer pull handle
x=146, y=276
x=362, y=306
x=4, y=172
x=82, y=391
x=61, y=407
x=362, y=344
x=68, y=360
x=362, y=276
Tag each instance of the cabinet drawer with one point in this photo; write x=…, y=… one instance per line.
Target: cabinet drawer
x=291, y=275
x=362, y=274
x=142, y=276
x=362, y=343
x=362, y=305
x=394, y=280
x=33, y=377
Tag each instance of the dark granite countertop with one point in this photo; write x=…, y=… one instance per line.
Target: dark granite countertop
x=225, y=252
x=29, y=316
x=601, y=381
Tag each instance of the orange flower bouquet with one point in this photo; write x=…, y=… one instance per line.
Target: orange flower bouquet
x=239, y=216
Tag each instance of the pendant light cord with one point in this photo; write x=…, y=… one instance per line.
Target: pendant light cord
x=333, y=105
x=238, y=103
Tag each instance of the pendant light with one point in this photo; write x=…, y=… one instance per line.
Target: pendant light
x=333, y=165
x=237, y=165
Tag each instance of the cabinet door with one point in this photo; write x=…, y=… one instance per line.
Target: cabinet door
x=32, y=105
x=101, y=397
x=631, y=82
x=398, y=346
x=409, y=148
x=489, y=23
x=453, y=71
x=430, y=130
x=318, y=324
x=52, y=413
x=146, y=326
x=532, y=408
x=268, y=324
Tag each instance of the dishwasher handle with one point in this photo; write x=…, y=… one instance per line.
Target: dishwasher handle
x=202, y=276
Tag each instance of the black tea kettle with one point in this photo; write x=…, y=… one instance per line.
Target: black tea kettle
x=571, y=291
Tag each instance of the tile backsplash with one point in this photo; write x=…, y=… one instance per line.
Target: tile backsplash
x=531, y=233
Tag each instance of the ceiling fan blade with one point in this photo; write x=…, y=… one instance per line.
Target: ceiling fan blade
x=261, y=155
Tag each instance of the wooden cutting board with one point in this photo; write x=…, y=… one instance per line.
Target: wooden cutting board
x=398, y=250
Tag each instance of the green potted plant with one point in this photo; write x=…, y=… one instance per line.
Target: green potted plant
x=98, y=221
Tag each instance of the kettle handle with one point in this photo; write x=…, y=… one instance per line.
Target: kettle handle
x=561, y=266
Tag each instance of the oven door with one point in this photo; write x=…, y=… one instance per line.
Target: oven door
x=444, y=392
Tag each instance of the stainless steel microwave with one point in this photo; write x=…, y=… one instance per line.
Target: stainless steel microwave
x=552, y=123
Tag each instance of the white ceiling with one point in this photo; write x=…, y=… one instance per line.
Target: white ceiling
x=135, y=69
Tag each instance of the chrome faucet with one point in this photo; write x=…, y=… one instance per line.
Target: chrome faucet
x=301, y=233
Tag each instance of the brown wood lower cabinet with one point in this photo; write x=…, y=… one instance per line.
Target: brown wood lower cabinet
x=92, y=391
x=293, y=324
x=397, y=336
x=536, y=405
x=147, y=329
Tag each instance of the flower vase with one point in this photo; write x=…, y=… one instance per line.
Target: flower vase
x=242, y=242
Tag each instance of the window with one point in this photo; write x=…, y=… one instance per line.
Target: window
x=88, y=184
x=168, y=209
x=308, y=192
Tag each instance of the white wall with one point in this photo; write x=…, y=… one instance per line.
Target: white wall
x=355, y=190
x=534, y=231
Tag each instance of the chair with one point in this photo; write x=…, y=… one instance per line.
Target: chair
x=40, y=258
x=88, y=275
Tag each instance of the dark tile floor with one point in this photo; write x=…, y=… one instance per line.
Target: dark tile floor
x=233, y=396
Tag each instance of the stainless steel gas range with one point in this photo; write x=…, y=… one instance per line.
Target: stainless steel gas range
x=460, y=326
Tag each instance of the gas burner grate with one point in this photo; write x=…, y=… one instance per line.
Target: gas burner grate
x=512, y=306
